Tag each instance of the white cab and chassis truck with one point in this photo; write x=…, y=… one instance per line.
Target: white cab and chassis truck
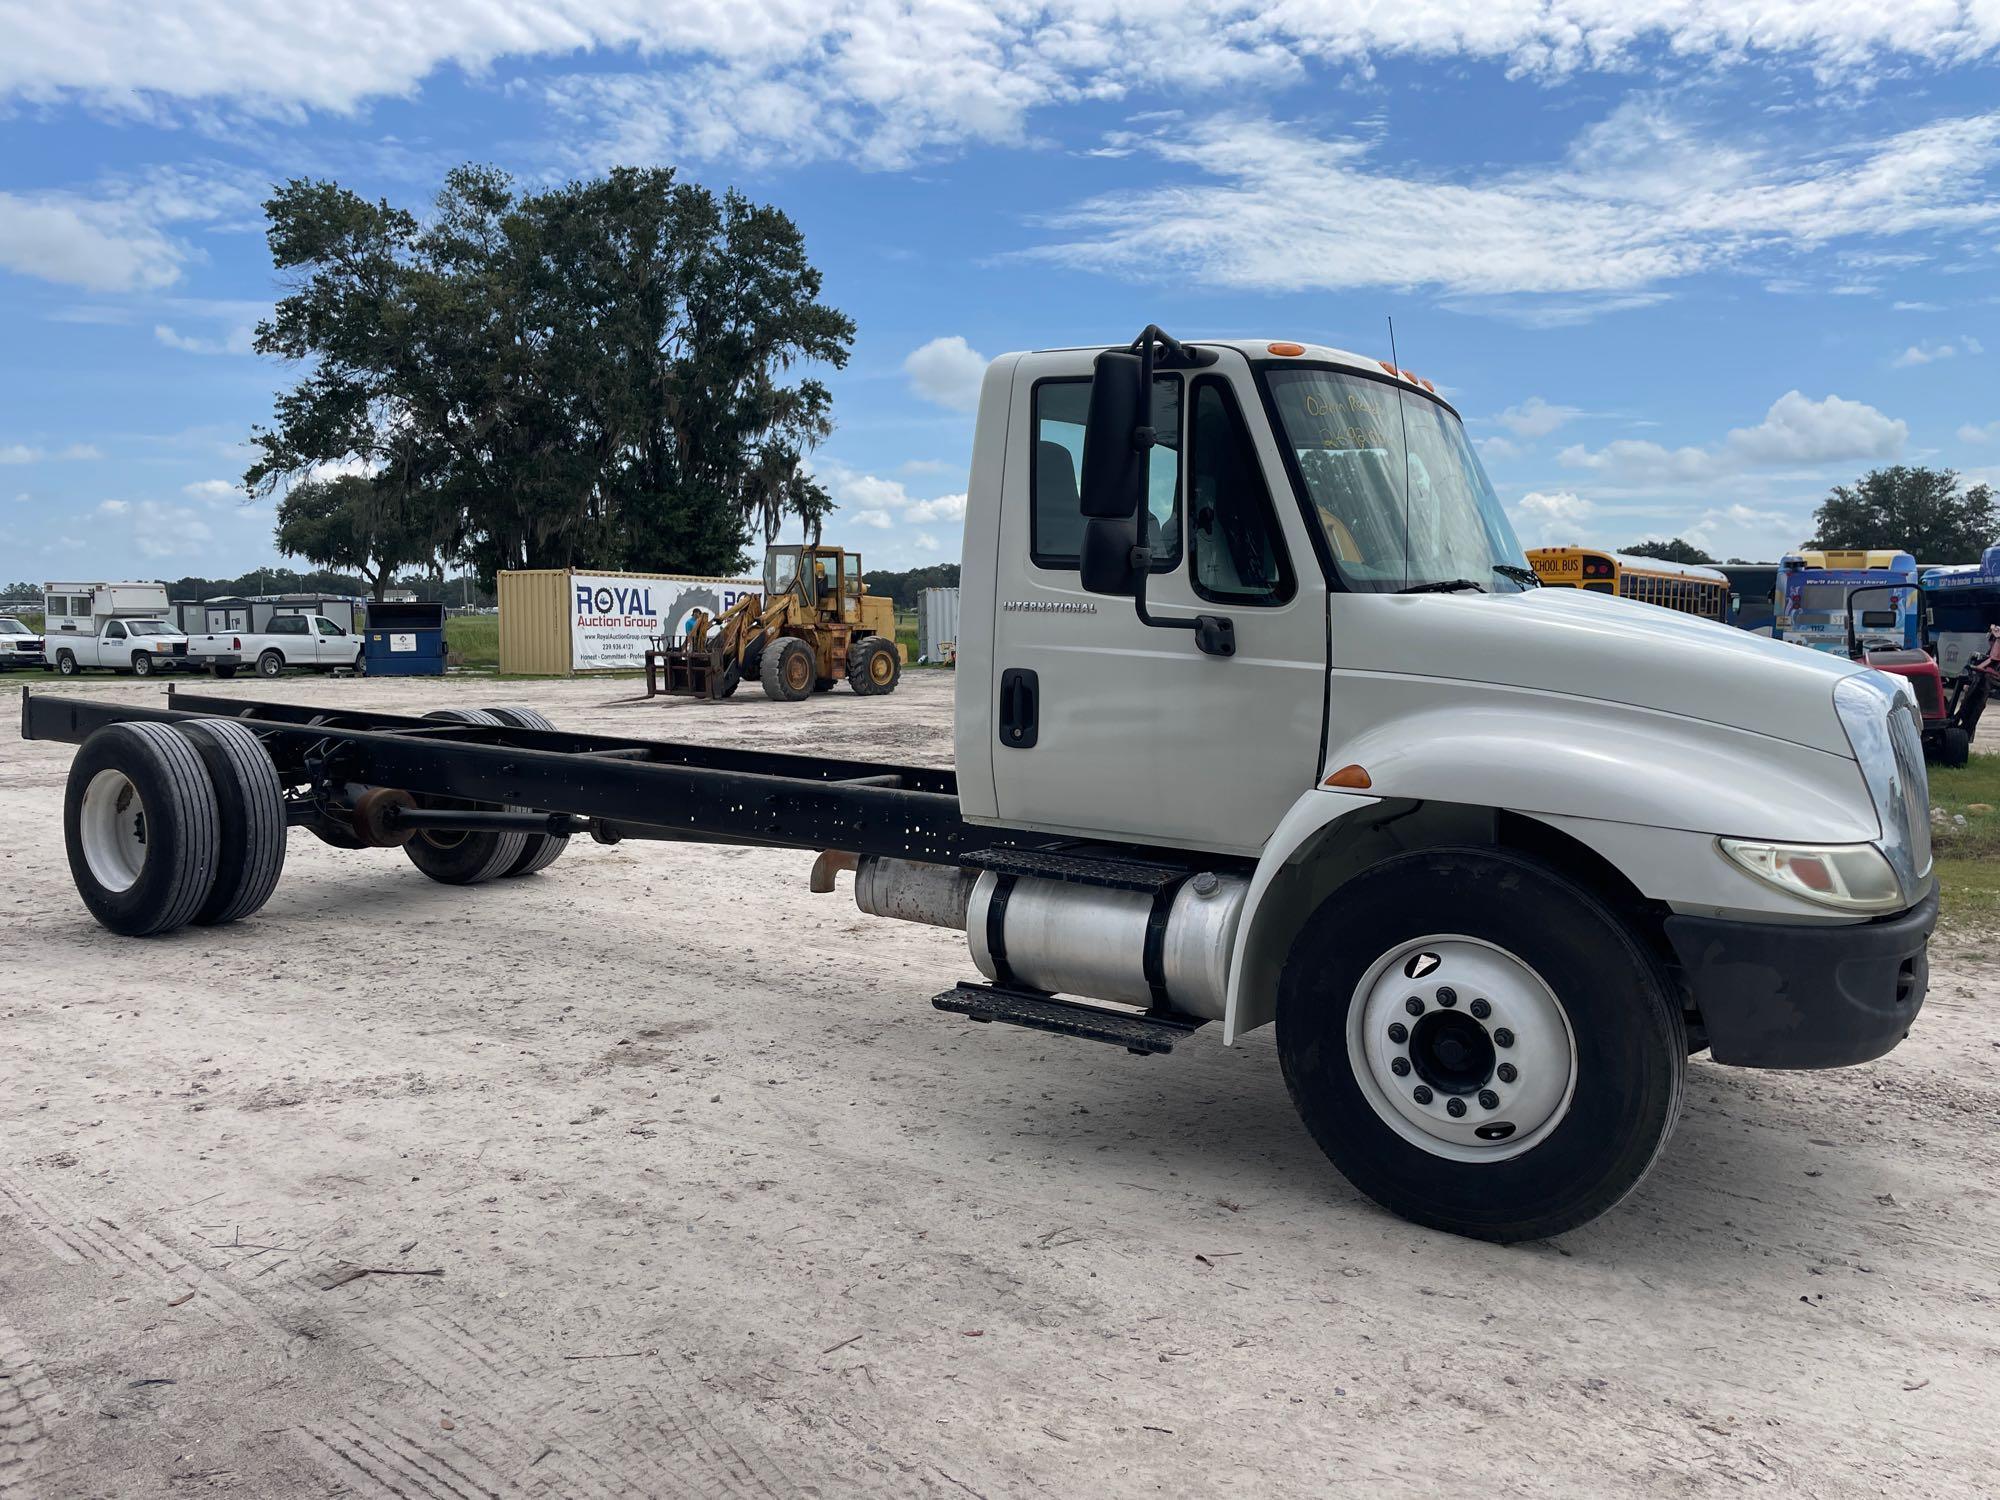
x=1261, y=719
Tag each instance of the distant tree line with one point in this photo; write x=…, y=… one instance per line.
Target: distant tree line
x=904, y=587
x=604, y=374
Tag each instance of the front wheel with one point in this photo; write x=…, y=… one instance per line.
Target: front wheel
x=142, y=665
x=1956, y=749
x=1480, y=1045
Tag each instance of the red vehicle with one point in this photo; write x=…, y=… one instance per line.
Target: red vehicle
x=1947, y=739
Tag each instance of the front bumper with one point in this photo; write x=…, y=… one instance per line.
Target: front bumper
x=1779, y=996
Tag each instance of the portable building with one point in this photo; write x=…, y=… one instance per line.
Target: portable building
x=555, y=621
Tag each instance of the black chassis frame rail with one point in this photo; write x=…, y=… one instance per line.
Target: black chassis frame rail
x=644, y=788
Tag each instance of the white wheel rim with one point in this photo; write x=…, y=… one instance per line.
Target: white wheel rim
x=1508, y=1060
x=112, y=825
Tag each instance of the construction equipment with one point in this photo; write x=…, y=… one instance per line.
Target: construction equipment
x=814, y=624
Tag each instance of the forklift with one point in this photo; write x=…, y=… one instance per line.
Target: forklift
x=814, y=624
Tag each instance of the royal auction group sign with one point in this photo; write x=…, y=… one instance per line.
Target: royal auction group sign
x=615, y=619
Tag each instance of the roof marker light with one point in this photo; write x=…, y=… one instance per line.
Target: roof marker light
x=1386, y=365
x=1286, y=348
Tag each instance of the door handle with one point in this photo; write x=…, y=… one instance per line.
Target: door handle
x=1020, y=708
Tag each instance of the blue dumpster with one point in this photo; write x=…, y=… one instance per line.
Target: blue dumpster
x=405, y=640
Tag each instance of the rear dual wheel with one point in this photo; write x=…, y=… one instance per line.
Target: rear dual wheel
x=167, y=824
x=456, y=858
x=1480, y=1045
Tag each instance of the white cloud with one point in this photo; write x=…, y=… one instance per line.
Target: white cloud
x=1496, y=449
x=1917, y=306
x=238, y=341
x=879, y=79
x=879, y=519
x=1796, y=431
x=923, y=541
x=1970, y=433
x=943, y=508
x=158, y=529
x=1535, y=418
x=1929, y=352
x=115, y=238
x=214, y=491
x=23, y=453
x=1551, y=518
x=1640, y=199
x=947, y=371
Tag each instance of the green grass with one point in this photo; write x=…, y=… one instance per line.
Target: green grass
x=1966, y=840
x=475, y=639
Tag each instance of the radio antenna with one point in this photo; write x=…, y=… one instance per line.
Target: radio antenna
x=1403, y=420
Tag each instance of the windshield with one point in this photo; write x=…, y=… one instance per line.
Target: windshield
x=14, y=627
x=1349, y=439
x=148, y=627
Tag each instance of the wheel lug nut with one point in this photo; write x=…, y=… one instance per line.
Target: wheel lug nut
x=1481, y=1009
x=1454, y=1107
x=1503, y=1038
x=1399, y=1066
x=1421, y=1094
x=1398, y=1032
x=1508, y=1073
x=1447, y=996
x=1414, y=1006
x=1488, y=1099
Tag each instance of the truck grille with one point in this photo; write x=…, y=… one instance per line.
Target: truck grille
x=1912, y=782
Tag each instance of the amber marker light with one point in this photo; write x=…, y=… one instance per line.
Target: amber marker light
x=1351, y=777
x=1287, y=349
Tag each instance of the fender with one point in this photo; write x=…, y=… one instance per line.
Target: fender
x=1567, y=762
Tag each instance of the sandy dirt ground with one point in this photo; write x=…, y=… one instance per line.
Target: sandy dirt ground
x=721, y=1207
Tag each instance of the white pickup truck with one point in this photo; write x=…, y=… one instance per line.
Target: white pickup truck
x=312, y=642
x=141, y=647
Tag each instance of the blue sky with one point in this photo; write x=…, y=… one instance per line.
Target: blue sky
x=1682, y=264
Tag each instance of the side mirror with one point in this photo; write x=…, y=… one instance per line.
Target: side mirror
x=1104, y=560
x=1117, y=436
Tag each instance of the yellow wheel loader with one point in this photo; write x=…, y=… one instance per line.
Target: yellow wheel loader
x=814, y=624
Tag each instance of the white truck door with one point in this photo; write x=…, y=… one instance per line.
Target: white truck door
x=1131, y=732
x=113, y=648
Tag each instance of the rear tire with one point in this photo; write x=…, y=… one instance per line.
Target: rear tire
x=1585, y=1058
x=543, y=849
x=225, y=673
x=250, y=810
x=1957, y=747
x=464, y=858
x=141, y=828
x=787, y=671
x=271, y=664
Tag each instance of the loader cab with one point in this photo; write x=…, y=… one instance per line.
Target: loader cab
x=824, y=581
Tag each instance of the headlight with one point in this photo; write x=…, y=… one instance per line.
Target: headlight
x=1881, y=723
x=1848, y=877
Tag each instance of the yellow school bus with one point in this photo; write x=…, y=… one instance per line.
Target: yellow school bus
x=1691, y=590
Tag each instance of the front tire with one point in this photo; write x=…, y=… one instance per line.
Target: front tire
x=787, y=671
x=1480, y=1045
x=142, y=665
x=875, y=666
x=1957, y=747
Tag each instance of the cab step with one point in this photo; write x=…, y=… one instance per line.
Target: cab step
x=1080, y=867
x=1140, y=1032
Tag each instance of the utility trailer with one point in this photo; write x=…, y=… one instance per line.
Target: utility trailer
x=1260, y=720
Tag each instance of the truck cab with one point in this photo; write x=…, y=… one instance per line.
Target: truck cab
x=1258, y=602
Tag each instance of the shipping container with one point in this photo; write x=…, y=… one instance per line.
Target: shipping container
x=556, y=621
x=937, y=625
